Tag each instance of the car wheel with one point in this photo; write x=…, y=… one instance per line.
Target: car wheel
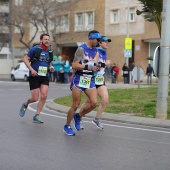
x=12, y=78
x=26, y=78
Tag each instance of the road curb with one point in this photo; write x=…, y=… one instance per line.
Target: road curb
x=115, y=117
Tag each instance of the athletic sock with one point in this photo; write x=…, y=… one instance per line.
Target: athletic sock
x=97, y=119
x=78, y=116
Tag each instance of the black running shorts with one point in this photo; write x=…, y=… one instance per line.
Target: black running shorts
x=97, y=86
x=35, y=82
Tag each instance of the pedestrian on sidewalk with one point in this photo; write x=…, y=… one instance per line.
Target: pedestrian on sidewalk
x=149, y=72
x=125, y=70
x=102, y=91
x=114, y=72
x=38, y=75
x=83, y=81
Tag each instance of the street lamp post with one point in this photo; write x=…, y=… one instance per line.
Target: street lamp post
x=163, y=81
x=10, y=33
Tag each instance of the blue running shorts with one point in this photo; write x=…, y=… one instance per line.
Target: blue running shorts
x=75, y=83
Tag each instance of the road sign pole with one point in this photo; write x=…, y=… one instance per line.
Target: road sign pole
x=138, y=76
x=127, y=35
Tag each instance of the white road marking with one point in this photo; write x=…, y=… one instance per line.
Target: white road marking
x=118, y=126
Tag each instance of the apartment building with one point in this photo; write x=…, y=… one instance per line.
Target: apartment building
x=11, y=50
x=4, y=31
x=110, y=18
x=144, y=34
x=116, y=19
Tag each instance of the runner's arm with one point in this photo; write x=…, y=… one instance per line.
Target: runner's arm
x=78, y=56
x=27, y=63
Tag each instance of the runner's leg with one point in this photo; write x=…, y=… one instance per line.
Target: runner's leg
x=103, y=93
x=89, y=106
x=43, y=96
x=76, y=95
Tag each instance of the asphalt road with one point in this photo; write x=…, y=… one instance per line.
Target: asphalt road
x=25, y=145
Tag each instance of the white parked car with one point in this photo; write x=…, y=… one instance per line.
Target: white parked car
x=20, y=72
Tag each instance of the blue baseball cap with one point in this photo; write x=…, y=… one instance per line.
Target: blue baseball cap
x=93, y=36
x=104, y=38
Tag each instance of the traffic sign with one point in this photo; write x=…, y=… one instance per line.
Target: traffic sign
x=128, y=53
x=135, y=73
x=128, y=43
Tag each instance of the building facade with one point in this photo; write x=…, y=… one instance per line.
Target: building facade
x=116, y=19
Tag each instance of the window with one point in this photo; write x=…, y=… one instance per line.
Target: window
x=89, y=17
x=79, y=22
x=4, y=18
x=114, y=16
x=132, y=14
x=89, y=21
x=80, y=19
x=18, y=2
x=62, y=24
x=84, y=21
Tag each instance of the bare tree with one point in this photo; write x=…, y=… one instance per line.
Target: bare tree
x=39, y=16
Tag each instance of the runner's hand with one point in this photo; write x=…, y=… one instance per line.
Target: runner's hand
x=95, y=68
x=33, y=72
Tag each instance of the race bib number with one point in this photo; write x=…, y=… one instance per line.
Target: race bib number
x=42, y=71
x=84, y=82
x=99, y=80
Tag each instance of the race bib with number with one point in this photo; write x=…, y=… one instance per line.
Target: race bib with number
x=42, y=71
x=84, y=82
x=99, y=80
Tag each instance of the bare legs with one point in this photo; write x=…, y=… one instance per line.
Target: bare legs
x=76, y=95
x=43, y=91
x=103, y=94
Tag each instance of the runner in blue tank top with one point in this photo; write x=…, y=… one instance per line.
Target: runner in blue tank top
x=102, y=91
x=84, y=64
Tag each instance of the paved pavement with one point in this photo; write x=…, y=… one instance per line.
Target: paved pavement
x=124, y=118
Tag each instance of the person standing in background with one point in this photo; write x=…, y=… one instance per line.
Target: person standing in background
x=114, y=72
x=59, y=70
x=125, y=70
x=117, y=72
x=54, y=77
x=149, y=72
x=66, y=67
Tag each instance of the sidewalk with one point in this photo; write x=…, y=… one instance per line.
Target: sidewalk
x=124, y=118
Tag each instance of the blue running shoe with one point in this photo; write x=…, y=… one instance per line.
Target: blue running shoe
x=22, y=110
x=77, y=122
x=36, y=119
x=68, y=130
